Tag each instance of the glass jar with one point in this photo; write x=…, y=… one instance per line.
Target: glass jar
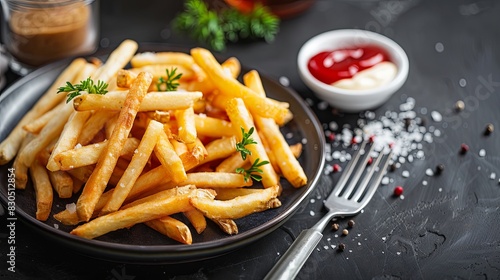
x=37, y=32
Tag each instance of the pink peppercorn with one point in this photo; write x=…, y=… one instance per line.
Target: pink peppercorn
x=464, y=148
x=336, y=168
x=331, y=137
x=398, y=191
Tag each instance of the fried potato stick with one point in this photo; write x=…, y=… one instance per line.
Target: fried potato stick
x=142, y=212
x=154, y=101
x=168, y=158
x=88, y=155
x=107, y=160
x=196, y=219
x=43, y=190
x=235, y=208
x=172, y=228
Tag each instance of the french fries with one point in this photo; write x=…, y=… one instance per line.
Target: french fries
x=141, y=155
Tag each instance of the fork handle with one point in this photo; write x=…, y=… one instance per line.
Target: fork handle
x=294, y=258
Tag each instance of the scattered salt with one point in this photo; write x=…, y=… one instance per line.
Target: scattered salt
x=405, y=174
x=385, y=181
x=436, y=116
x=424, y=183
x=482, y=153
x=71, y=207
x=312, y=213
x=493, y=176
x=56, y=226
x=78, y=146
x=284, y=81
x=429, y=172
x=439, y=47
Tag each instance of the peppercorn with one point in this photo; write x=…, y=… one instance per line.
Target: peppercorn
x=393, y=167
x=341, y=247
x=464, y=148
x=489, y=129
x=335, y=226
x=439, y=169
x=336, y=168
x=370, y=161
x=331, y=137
x=459, y=105
x=407, y=123
x=350, y=223
x=398, y=191
x=345, y=232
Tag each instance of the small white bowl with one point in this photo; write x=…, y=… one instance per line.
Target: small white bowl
x=345, y=99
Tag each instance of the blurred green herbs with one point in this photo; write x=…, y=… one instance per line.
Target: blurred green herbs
x=216, y=28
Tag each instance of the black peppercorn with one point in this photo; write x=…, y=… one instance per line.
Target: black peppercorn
x=439, y=169
x=350, y=223
x=335, y=226
x=341, y=247
x=489, y=129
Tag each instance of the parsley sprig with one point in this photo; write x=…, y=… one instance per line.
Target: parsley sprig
x=216, y=28
x=254, y=168
x=87, y=85
x=171, y=82
x=250, y=172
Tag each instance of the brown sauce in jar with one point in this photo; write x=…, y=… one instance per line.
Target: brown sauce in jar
x=41, y=35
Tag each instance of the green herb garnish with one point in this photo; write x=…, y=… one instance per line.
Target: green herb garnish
x=171, y=83
x=246, y=140
x=250, y=173
x=87, y=85
x=228, y=24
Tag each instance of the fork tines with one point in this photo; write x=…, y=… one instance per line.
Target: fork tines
x=348, y=186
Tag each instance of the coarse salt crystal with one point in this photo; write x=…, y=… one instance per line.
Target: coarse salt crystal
x=436, y=116
x=71, y=207
x=405, y=174
x=429, y=172
x=78, y=146
x=493, y=176
x=312, y=213
x=56, y=226
x=482, y=153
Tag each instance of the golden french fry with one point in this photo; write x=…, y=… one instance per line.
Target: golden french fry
x=172, y=228
x=68, y=138
x=43, y=190
x=240, y=117
x=167, y=156
x=98, y=180
x=139, y=213
x=213, y=127
x=153, y=101
x=196, y=219
x=229, y=86
x=230, y=193
x=60, y=180
x=220, y=148
x=149, y=58
x=21, y=170
x=186, y=125
x=135, y=167
x=88, y=155
x=213, y=180
x=235, y=208
x=124, y=78
x=10, y=145
x=296, y=149
x=227, y=225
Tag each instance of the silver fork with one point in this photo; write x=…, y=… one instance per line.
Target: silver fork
x=344, y=200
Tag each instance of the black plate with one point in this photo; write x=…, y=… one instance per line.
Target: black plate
x=140, y=244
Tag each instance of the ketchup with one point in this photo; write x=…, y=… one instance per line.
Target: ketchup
x=332, y=66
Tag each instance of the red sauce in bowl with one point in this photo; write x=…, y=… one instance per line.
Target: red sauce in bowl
x=332, y=66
